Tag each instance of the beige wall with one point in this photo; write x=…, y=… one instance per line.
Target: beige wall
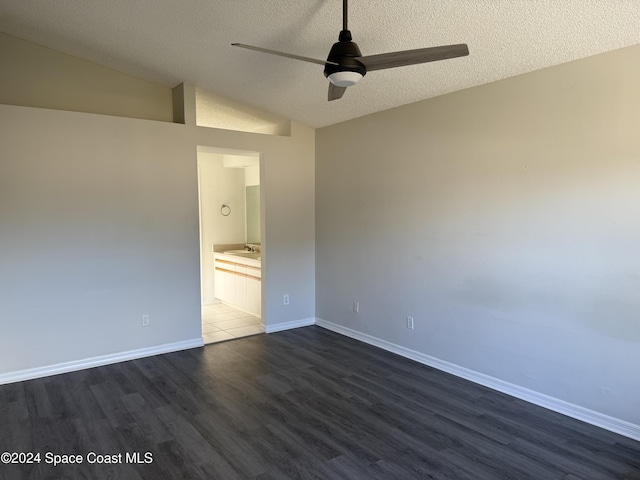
x=99, y=223
x=99, y=220
x=218, y=185
x=99, y=215
x=287, y=191
x=252, y=176
x=36, y=76
x=505, y=219
x=219, y=112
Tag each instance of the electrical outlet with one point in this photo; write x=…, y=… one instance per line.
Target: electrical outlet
x=285, y=299
x=356, y=307
x=145, y=320
x=410, y=323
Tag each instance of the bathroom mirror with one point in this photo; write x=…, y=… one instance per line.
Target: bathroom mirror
x=253, y=213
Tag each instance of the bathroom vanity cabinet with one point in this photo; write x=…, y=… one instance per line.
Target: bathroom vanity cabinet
x=237, y=282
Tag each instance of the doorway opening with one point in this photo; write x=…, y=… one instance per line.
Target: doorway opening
x=231, y=247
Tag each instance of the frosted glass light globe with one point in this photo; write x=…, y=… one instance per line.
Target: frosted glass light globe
x=344, y=79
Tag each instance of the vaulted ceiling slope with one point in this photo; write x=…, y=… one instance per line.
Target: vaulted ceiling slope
x=170, y=42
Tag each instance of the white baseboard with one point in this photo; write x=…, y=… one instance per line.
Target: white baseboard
x=592, y=417
x=91, y=362
x=278, y=327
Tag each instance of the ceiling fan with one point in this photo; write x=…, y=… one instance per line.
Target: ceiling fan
x=345, y=65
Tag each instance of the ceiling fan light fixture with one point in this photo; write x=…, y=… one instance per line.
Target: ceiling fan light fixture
x=344, y=79
x=345, y=65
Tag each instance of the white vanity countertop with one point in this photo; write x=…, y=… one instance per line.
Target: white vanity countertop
x=251, y=259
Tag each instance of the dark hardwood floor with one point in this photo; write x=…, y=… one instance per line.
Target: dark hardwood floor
x=305, y=403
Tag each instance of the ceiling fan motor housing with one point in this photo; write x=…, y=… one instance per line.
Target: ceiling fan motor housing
x=344, y=53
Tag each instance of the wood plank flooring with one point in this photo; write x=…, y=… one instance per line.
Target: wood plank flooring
x=301, y=404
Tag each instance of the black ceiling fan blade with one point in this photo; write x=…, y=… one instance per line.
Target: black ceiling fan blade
x=335, y=92
x=283, y=54
x=413, y=57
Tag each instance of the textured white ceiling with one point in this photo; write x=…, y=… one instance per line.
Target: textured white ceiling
x=170, y=42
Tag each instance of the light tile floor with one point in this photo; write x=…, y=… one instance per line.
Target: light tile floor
x=222, y=322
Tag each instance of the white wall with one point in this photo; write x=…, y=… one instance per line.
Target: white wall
x=287, y=191
x=252, y=176
x=217, y=186
x=219, y=112
x=36, y=76
x=505, y=219
x=99, y=225
x=99, y=221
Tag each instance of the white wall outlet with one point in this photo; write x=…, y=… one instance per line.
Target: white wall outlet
x=146, y=320
x=410, y=323
x=356, y=307
x=285, y=299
